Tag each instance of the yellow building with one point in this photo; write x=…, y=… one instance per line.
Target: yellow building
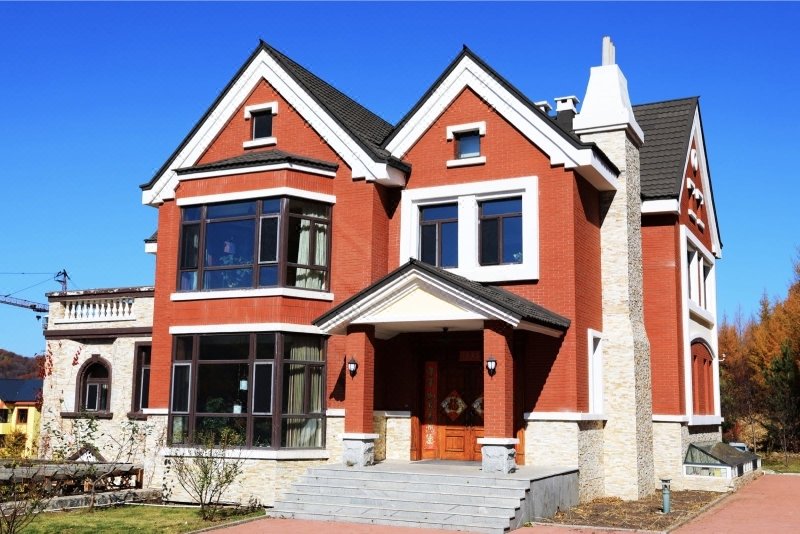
x=19, y=411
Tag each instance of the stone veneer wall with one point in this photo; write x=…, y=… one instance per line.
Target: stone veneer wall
x=670, y=443
x=628, y=438
x=569, y=444
x=398, y=436
x=334, y=428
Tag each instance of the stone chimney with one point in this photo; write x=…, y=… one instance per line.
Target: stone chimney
x=606, y=119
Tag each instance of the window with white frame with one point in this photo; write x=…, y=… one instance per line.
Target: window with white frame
x=261, y=124
x=466, y=139
x=699, y=277
x=485, y=231
x=595, y=372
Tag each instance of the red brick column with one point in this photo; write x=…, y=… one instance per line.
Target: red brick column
x=359, y=396
x=498, y=390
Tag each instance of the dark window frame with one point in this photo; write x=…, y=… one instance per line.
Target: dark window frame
x=437, y=224
x=276, y=414
x=4, y=413
x=284, y=218
x=142, y=358
x=500, y=241
x=84, y=382
x=22, y=416
x=255, y=118
x=459, y=137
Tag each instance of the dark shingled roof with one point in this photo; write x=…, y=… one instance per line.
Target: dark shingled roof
x=252, y=159
x=20, y=390
x=667, y=131
x=153, y=238
x=366, y=128
x=527, y=310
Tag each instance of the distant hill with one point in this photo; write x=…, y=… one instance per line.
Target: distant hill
x=12, y=365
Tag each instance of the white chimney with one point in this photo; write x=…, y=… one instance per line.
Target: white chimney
x=544, y=106
x=607, y=106
x=567, y=103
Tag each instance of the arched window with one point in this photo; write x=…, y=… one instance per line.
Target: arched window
x=95, y=385
x=702, y=379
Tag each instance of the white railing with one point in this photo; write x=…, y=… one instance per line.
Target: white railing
x=98, y=309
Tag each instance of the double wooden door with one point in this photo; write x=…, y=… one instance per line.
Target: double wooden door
x=460, y=406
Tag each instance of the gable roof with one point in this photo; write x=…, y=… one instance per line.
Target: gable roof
x=20, y=390
x=495, y=296
x=668, y=130
x=252, y=159
x=469, y=70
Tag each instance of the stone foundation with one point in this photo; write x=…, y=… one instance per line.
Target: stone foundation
x=670, y=443
x=498, y=455
x=358, y=450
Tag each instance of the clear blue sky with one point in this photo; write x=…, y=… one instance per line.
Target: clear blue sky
x=94, y=97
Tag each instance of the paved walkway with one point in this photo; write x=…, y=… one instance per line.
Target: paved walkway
x=767, y=505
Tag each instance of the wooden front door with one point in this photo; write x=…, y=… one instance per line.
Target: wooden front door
x=460, y=406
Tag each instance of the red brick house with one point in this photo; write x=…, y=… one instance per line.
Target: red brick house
x=484, y=281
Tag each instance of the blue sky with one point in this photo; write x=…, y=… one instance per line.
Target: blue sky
x=94, y=97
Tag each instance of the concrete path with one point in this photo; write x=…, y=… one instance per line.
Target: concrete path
x=770, y=504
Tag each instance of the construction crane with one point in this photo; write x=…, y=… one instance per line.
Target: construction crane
x=61, y=277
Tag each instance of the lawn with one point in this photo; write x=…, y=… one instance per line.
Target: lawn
x=145, y=519
x=776, y=462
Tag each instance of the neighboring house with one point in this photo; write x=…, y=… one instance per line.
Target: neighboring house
x=485, y=280
x=19, y=410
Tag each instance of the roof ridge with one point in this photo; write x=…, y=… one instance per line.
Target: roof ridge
x=671, y=100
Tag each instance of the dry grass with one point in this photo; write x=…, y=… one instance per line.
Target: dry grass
x=644, y=514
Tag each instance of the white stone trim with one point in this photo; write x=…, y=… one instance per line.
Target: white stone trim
x=155, y=411
x=334, y=412
x=257, y=193
x=394, y=414
x=692, y=215
x=705, y=420
x=253, y=169
x=596, y=401
x=498, y=441
x=670, y=418
x=255, y=108
x=257, y=454
x=660, y=206
x=151, y=248
x=264, y=67
x=479, y=127
x=564, y=416
x=261, y=141
x=256, y=292
x=357, y=436
x=467, y=196
x=537, y=129
x=466, y=162
x=243, y=327
x=699, y=314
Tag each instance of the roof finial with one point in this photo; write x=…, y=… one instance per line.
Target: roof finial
x=609, y=51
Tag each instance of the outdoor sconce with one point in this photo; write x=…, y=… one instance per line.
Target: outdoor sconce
x=491, y=365
x=352, y=366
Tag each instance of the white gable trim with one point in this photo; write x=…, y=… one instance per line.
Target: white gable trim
x=467, y=73
x=257, y=193
x=708, y=200
x=263, y=66
x=660, y=206
x=361, y=311
x=258, y=168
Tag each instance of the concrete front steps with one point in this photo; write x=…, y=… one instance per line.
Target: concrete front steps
x=440, y=497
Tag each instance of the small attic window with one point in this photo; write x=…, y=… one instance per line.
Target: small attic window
x=261, y=127
x=467, y=144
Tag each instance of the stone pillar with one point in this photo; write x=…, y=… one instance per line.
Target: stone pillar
x=497, y=447
x=358, y=440
x=628, y=435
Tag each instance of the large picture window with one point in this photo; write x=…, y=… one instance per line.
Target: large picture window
x=267, y=387
x=501, y=231
x=255, y=243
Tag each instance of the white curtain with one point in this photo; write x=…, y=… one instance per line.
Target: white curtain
x=303, y=432
x=311, y=278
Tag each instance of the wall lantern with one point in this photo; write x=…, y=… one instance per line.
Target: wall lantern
x=491, y=365
x=352, y=366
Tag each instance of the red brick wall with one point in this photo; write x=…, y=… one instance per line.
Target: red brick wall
x=498, y=390
x=662, y=311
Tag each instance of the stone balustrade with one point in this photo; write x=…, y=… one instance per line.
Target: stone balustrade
x=128, y=305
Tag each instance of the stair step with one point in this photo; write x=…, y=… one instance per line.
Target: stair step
x=393, y=522
x=335, y=493
x=311, y=502
x=477, y=480
x=432, y=485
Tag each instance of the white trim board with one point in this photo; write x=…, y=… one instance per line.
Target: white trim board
x=250, y=293
x=254, y=169
x=243, y=327
x=257, y=193
x=564, y=416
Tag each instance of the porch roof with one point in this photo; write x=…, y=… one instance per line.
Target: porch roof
x=448, y=300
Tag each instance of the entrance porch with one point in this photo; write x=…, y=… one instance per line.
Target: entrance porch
x=447, y=351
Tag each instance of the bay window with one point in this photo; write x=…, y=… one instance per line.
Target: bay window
x=266, y=387
x=255, y=243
